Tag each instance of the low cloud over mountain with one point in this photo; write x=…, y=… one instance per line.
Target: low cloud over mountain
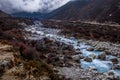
x=11, y=6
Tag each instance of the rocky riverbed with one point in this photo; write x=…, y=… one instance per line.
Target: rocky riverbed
x=85, y=59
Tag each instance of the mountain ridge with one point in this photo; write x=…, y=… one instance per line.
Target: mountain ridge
x=84, y=10
x=3, y=14
x=99, y=10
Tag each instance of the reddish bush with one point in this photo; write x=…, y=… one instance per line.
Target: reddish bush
x=29, y=53
x=1, y=32
x=8, y=36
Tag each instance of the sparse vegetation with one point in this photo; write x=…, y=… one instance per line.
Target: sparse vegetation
x=86, y=30
x=24, y=51
x=37, y=59
x=1, y=71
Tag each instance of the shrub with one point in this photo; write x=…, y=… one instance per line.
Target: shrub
x=8, y=35
x=30, y=54
x=43, y=67
x=1, y=71
x=1, y=32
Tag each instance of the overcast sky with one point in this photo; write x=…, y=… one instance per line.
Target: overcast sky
x=11, y=6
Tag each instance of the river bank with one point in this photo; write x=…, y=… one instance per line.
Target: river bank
x=86, y=54
x=40, y=52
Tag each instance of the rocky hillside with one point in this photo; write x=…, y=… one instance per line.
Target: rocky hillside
x=2, y=14
x=16, y=60
x=90, y=10
x=100, y=10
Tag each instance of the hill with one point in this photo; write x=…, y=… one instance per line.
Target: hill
x=2, y=14
x=100, y=10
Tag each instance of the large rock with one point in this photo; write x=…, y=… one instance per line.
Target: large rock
x=114, y=60
x=117, y=66
x=108, y=53
x=92, y=56
x=99, y=49
x=6, y=64
x=88, y=59
x=112, y=76
x=77, y=57
x=67, y=47
x=102, y=56
x=76, y=53
x=90, y=49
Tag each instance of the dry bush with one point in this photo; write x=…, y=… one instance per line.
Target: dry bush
x=1, y=71
x=1, y=32
x=30, y=54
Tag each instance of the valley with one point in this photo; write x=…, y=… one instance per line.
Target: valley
x=63, y=53
x=90, y=55
x=77, y=41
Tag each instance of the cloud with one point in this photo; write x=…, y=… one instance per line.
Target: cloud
x=12, y=6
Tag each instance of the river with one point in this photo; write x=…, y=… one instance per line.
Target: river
x=38, y=32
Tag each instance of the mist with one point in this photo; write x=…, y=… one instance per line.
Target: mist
x=43, y=6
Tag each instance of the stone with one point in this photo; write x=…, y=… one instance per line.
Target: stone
x=102, y=56
x=108, y=53
x=114, y=60
x=6, y=64
x=117, y=66
x=90, y=49
x=66, y=52
x=99, y=49
x=112, y=76
x=67, y=47
x=67, y=57
x=77, y=57
x=92, y=56
x=111, y=72
x=76, y=53
x=68, y=64
x=93, y=68
x=88, y=59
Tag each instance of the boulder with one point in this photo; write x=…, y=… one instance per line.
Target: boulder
x=102, y=56
x=68, y=64
x=67, y=47
x=99, y=49
x=76, y=53
x=77, y=57
x=93, y=68
x=92, y=56
x=117, y=66
x=88, y=59
x=112, y=76
x=66, y=52
x=111, y=72
x=90, y=49
x=108, y=53
x=114, y=60
x=6, y=64
x=67, y=57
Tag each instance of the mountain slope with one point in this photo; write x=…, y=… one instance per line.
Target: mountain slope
x=38, y=15
x=2, y=14
x=35, y=15
x=69, y=11
x=100, y=10
x=90, y=10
